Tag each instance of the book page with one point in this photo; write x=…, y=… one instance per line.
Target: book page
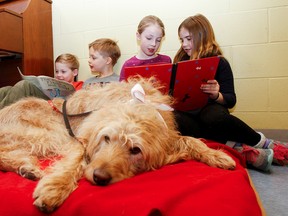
x=49, y=85
x=55, y=88
x=30, y=78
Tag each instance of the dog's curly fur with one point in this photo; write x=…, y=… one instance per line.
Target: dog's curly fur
x=118, y=140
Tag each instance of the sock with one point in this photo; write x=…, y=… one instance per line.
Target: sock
x=263, y=143
x=230, y=144
x=266, y=143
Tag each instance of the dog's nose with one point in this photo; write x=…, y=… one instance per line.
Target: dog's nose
x=101, y=177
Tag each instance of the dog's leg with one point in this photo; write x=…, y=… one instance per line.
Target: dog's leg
x=20, y=162
x=15, y=157
x=61, y=179
x=189, y=148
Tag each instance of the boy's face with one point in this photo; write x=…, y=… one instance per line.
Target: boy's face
x=97, y=62
x=64, y=72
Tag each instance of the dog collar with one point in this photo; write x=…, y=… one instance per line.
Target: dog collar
x=53, y=107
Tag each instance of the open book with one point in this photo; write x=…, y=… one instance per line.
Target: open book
x=50, y=86
x=181, y=80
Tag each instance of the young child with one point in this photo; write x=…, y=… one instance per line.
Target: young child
x=66, y=68
x=214, y=120
x=103, y=55
x=149, y=34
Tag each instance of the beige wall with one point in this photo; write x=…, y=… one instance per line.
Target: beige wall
x=252, y=33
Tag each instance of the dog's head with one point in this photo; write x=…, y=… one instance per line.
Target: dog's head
x=123, y=140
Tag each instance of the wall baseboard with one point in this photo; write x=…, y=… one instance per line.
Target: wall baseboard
x=277, y=134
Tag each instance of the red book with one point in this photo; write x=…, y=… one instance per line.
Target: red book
x=182, y=80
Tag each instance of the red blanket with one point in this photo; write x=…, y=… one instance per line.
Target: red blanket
x=186, y=188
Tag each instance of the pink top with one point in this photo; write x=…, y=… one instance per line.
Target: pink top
x=134, y=61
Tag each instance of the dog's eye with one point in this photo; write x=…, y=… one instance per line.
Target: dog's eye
x=107, y=139
x=135, y=150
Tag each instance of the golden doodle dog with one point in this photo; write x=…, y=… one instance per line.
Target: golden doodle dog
x=123, y=135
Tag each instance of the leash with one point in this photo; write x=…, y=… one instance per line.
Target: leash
x=66, y=120
x=65, y=116
x=138, y=96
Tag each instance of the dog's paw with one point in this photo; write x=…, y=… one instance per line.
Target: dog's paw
x=31, y=173
x=50, y=194
x=224, y=161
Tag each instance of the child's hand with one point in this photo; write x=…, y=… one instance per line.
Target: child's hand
x=212, y=88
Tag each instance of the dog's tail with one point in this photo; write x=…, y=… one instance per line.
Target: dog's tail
x=189, y=148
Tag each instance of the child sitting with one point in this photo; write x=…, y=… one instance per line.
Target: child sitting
x=66, y=67
x=103, y=55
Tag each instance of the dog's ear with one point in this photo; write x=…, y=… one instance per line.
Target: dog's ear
x=83, y=141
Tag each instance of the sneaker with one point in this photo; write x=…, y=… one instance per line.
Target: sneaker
x=260, y=159
x=280, y=151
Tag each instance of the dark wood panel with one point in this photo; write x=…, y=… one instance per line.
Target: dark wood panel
x=37, y=39
x=9, y=73
x=11, y=37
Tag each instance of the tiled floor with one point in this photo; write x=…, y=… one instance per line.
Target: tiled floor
x=272, y=189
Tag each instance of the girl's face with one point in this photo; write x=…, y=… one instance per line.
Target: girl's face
x=186, y=41
x=97, y=62
x=150, y=40
x=64, y=72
